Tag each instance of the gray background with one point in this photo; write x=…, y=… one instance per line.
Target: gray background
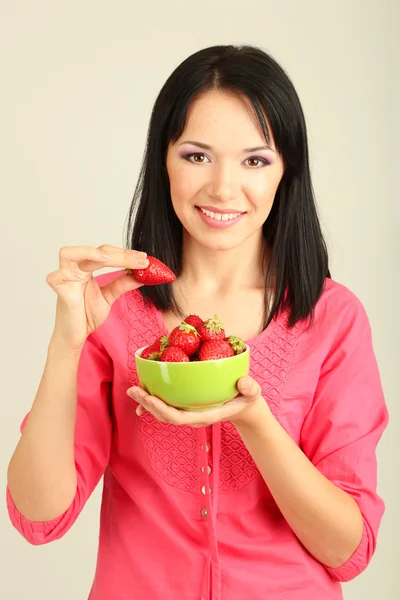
x=78, y=83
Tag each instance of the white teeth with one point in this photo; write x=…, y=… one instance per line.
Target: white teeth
x=219, y=216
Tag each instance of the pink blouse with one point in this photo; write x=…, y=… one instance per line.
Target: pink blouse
x=185, y=512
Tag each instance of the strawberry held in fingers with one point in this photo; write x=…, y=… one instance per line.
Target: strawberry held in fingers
x=212, y=329
x=155, y=274
x=215, y=349
x=185, y=336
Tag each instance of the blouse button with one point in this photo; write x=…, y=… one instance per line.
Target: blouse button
x=208, y=447
x=203, y=490
x=204, y=512
x=208, y=468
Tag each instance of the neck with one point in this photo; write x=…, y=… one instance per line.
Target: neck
x=224, y=271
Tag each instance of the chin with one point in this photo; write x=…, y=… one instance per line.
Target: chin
x=219, y=244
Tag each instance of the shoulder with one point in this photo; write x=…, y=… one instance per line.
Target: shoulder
x=340, y=322
x=338, y=306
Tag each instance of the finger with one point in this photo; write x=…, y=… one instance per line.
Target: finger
x=140, y=410
x=221, y=413
x=201, y=418
x=165, y=413
x=147, y=405
x=121, y=285
x=248, y=387
x=162, y=411
x=65, y=275
x=123, y=258
x=77, y=254
x=89, y=259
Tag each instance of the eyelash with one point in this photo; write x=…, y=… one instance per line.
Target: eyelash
x=260, y=158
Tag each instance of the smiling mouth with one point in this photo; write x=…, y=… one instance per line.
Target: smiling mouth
x=220, y=216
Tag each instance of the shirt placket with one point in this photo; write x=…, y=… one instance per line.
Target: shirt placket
x=210, y=444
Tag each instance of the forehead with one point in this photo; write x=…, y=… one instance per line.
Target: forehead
x=221, y=116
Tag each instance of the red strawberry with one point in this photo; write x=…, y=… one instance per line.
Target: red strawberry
x=154, y=355
x=155, y=274
x=155, y=348
x=149, y=351
x=238, y=345
x=174, y=354
x=186, y=337
x=212, y=329
x=195, y=321
x=215, y=349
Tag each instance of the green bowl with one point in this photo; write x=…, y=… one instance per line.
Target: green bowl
x=193, y=386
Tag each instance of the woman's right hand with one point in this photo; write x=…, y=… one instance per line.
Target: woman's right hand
x=82, y=305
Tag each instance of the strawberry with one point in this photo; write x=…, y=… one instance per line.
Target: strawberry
x=215, y=349
x=212, y=329
x=237, y=344
x=195, y=321
x=174, y=354
x=186, y=337
x=155, y=274
x=155, y=348
x=154, y=355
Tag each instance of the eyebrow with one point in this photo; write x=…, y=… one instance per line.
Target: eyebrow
x=207, y=147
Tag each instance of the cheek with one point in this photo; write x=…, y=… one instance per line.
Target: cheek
x=183, y=185
x=263, y=190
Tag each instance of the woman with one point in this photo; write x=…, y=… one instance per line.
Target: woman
x=272, y=495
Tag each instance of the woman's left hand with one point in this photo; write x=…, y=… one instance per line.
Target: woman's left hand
x=243, y=409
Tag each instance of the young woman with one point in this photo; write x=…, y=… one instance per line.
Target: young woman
x=273, y=495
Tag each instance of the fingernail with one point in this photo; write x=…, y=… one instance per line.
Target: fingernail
x=142, y=263
x=246, y=383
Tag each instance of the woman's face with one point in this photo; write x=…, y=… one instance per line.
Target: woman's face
x=230, y=179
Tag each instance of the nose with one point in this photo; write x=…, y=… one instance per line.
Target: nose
x=224, y=184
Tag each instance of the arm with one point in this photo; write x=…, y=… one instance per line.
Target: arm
x=326, y=520
x=327, y=489
x=65, y=443
x=41, y=473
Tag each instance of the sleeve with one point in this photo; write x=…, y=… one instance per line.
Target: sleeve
x=91, y=446
x=344, y=425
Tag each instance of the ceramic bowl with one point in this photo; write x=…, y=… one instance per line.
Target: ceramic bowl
x=197, y=385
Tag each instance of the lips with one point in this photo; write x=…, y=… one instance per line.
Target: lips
x=219, y=223
x=222, y=211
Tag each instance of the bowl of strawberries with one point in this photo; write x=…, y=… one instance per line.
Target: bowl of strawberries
x=195, y=367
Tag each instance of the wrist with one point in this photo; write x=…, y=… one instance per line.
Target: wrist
x=58, y=348
x=253, y=416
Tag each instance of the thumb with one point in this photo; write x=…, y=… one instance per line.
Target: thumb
x=121, y=285
x=248, y=387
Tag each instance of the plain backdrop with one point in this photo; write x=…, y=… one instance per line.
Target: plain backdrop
x=78, y=81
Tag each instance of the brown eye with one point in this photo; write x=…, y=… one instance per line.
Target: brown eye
x=194, y=156
x=260, y=162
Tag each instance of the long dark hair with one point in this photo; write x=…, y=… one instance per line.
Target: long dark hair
x=298, y=263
